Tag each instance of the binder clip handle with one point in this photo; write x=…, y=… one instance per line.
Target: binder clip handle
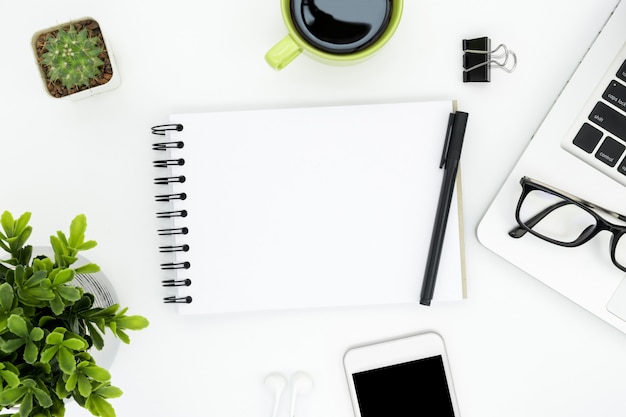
x=479, y=58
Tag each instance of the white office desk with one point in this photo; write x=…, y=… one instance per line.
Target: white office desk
x=516, y=348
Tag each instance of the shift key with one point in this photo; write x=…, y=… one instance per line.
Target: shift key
x=609, y=119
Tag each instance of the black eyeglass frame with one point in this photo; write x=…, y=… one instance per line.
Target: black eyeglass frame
x=617, y=231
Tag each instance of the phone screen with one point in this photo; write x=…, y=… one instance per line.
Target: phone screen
x=405, y=389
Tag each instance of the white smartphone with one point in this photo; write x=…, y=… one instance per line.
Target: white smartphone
x=409, y=376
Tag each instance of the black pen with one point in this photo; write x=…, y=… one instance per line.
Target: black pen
x=450, y=162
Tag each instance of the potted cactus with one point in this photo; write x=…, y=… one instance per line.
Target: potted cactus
x=49, y=326
x=74, y=60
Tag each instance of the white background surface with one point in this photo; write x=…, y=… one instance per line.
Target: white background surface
x=516, y=348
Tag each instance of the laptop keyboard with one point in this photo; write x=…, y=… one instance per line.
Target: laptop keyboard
x=599, y=135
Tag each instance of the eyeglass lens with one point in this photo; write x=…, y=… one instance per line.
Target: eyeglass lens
x=555, y=218
x=560, y=220
x=620, y=251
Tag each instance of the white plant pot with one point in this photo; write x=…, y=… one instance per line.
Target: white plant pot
x=112, y=84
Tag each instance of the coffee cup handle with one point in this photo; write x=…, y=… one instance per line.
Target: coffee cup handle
x=282, y=53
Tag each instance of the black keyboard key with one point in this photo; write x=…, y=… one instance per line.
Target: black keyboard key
x=587, y=138
x=609, y=119
x=621, y=74
x=622, y=167
x=610, y=151
x=615, y=94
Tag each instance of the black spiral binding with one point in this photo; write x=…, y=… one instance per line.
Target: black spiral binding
x=162, y=129
x=170, y=214
x=178, y=300
x=175, y=265
x=164, y=163
x=169, y=249
x=170, y=180
x=163, y=146
x=173, y=231
x=176, y=282
x=169, y=197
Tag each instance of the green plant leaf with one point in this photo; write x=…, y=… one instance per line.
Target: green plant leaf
x=11, y=345
x=12, y=396
x=77, y=231
x=30, y=353
x=10, y=378
x=102, y=312
x=64, y=276
x=48, y=353
x=57, y=305
x=71, y=382
x=63, y=240
x=122, y=336
x=22, y=238
x=109, y=391
x=18, y=275
x=8, y=224
x=60, y=389
x=44, y=264
x=84, y=304
x=17, y=326
x=66, y=359
x=3, y=245
x=59, y=249
x=75, y=344
x=26, y=405
x=69, y=260
x=44, y=320
x=69, y=293
x=22, y=222
x=36, y=279
x=56, y=336
x=133, y=322
x=43, y=398
x=7, y=295
x=88, y=269
x=96, y=338
x=36, y=334
x=88, y=245
x=24, y=254
x=97, y=373
x=41, y=294
x=84, y=386
x=99, y=406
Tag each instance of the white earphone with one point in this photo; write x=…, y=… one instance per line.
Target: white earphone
x=301, y=383
x=276, y=383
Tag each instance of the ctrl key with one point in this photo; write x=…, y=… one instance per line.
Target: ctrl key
x=587, y=138
x=610, y=151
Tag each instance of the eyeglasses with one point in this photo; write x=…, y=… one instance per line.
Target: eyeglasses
x=566, y=220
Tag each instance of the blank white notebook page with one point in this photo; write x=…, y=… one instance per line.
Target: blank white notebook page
x=313, y=207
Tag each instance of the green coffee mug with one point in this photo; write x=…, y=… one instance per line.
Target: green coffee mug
x=334, y=31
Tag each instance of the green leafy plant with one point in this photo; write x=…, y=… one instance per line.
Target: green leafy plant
x=48, y=326
x=72, y=57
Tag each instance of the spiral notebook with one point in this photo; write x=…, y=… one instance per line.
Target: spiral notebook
x=303, y=207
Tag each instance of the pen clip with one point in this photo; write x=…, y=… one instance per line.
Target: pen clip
x=446, y=145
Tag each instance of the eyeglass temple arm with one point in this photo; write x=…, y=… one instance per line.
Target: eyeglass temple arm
x=584, y=202
x=520, y=231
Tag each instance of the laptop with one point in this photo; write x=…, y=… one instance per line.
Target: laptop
x=580, y=148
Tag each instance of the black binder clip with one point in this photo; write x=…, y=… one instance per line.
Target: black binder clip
x=478, y=58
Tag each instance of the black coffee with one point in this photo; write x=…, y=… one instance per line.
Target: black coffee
x=341, y=26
